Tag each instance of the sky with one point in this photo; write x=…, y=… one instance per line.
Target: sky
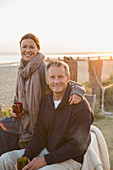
x=62, y=26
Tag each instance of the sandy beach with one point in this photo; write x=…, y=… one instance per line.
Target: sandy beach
x=7, y=84
x=8, y=76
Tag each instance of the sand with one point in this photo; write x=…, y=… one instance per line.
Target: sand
x=7, y=84
x=8, y=76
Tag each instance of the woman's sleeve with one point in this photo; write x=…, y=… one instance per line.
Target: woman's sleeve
x=77, y=88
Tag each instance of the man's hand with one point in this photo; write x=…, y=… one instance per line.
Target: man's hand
x=74, y=99
x=36, y=163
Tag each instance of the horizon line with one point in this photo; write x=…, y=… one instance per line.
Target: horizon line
x=62, y=53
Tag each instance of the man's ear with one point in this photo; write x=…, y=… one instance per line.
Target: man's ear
x=46, y=80
x=68, y=78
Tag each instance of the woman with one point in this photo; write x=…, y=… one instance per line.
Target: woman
x=30, y=89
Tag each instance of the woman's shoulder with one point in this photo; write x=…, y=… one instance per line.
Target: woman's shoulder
x=41, y=54
x=42, y=67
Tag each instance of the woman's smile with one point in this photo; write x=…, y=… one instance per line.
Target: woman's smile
x=28, y=49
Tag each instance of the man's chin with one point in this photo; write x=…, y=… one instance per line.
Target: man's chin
x=57, y=91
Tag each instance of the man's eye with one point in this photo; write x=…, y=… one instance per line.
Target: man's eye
x=31, y=47
x=60, y=76
x=52, y=77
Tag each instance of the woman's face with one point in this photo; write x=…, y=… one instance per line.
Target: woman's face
x=28, y=49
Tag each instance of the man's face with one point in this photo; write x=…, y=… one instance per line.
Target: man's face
x=57, y=79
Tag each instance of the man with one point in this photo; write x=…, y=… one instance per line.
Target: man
x=62, y=129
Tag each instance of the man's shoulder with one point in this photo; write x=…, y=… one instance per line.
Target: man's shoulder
x=83, y=105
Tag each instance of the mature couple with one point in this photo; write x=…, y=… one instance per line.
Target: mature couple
x=62, y=131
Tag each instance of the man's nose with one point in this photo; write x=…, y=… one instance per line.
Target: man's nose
x=56, y=80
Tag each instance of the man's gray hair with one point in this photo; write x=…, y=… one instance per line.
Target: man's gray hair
x=58, y=64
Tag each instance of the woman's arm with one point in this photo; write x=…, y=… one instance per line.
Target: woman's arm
x=77, y=88
x=77, y=92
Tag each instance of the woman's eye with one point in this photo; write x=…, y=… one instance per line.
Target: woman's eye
x=24, y=47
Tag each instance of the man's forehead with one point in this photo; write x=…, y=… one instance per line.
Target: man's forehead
x=56, y=69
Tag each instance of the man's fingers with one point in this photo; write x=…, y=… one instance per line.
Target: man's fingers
x=70, y=99
x=27, y=166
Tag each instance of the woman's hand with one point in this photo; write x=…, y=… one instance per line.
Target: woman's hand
x=14, y=114
x=74, y=99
